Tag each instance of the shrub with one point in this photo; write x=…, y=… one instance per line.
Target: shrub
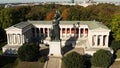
x=115, y=45
x=28, y=52
x=102, y=58
x=118, y=53
x=42, y=59
x=74, y=60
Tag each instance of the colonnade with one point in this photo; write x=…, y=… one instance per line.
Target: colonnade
x=100, y=40
x=64, y=32
x=15, y=39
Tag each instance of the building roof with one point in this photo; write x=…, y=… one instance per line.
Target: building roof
x=91, y=24
x=19, y=25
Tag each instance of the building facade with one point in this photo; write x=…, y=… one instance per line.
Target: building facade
x=91, y=35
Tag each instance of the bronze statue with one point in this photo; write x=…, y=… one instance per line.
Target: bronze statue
x=55, y=30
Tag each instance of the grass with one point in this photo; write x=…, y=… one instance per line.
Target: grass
x=118, y=53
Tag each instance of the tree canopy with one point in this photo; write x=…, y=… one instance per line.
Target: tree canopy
x=102, y=58
x=28, y=52
x=74, y=60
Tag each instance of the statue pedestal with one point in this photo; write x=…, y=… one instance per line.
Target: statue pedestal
x=55, y=49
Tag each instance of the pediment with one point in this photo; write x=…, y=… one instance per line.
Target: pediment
x=13, y=29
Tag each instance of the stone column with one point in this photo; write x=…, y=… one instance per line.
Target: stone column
x=48, y=32
x=8, y=39
x=101, y=40
x=83, y=32
x=44, y=32
x=39, y=32
x=18, y=38
x=65, y=32
x=96, y=40
x=106, y=41
x=12, y=38
x=23, y=39
x=70, y=31
x=74, y=31
x=61, y=33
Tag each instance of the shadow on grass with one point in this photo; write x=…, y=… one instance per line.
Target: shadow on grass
x=87, y=60
x=44, y=52
x=5, y=60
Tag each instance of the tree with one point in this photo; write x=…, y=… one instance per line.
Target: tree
x=37, y=13
x=6, y=17
x=115, y=45
x=74, y=60
x=28, y=52
x=50, y=15
x=115, y=26
x=102, y=58
x=65, y=14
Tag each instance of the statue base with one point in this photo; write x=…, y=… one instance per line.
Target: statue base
x=55, y=49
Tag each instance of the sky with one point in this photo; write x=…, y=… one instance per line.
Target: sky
x=18, y=1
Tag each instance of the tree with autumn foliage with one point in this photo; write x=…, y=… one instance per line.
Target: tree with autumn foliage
x=65, y=14
x=50, y=15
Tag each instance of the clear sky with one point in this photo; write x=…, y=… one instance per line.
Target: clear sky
x=16, y=1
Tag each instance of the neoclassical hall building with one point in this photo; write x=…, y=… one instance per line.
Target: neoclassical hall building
x=90, y=35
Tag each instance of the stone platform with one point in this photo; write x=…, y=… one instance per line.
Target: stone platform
x=55, y=48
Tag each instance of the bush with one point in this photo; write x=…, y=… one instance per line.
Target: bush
x=28, y=52
x=118, y=53
x=115, y=45
x=102, y=58
x=74, y=60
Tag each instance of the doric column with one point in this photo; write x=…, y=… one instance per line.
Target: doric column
x=106, y=41
x=96, y=40
x=18, y=38
x=48, y=32
x=12, y=39
x=8, y=39
x=101, y=40
x=84, y=32
x=61, y=33
x=65, y=32
x=43, y=30
x=23, y=39
x=74, y=31
x=70, y=30
x=39, y=32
